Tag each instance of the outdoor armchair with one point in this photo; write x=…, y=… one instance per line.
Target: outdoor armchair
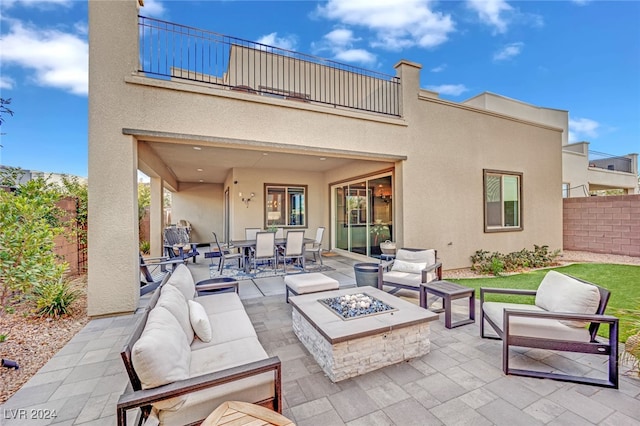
x=411, y=268
x=564, y=307
x=177, y=245
x=153, y=270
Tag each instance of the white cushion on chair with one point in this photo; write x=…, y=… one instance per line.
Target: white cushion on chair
x=560, y=293
x=420, y=256
x=410, y=267
x=403, y=278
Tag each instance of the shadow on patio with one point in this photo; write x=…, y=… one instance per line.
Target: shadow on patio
x=459, y=382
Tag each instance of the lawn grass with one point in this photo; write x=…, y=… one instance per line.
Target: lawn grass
x=622, y=280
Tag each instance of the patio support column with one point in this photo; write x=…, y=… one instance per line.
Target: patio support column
x=156, y=216
x=114, y=269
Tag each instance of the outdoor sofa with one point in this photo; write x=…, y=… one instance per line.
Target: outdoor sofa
x=184, y=358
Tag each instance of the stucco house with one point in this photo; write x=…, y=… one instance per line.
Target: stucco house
x=247, y=135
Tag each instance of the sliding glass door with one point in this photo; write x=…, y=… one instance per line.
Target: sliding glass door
x=362, y=214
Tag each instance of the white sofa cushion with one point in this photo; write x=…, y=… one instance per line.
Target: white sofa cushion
x=162, y=355
x=403, y=278
x=182, y=279
x=222, y=332
x=172, y=299
x=221, y=302
x=216, y=358
x=534, y=327
x=200, y=321
x=560, y=293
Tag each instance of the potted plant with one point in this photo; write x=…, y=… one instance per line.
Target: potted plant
x=380, y=231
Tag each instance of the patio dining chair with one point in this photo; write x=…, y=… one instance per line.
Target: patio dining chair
x=294, y=249
x=265, y=249
x=316, y=247
x=226, y=253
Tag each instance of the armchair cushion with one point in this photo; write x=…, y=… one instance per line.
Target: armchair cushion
x=409, y=267
x=172, y=300
x=561, y=293
x=200, y=321
x=162, y=355
x=403, y=278
x=419, y=256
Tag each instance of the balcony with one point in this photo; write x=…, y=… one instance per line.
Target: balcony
x=600, y=160
x=170, y=51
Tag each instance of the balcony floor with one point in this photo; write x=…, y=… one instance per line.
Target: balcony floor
x=459, y=382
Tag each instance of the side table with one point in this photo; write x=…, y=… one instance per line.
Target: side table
x=239, y=413
x=449, y=291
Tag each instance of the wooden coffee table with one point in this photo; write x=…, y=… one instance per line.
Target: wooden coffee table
x=240, y=413
x=449, y=291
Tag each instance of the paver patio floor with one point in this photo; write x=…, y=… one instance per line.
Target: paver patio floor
x=459, y=382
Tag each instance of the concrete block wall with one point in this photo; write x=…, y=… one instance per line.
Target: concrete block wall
x=67, y=244
x=608, y=224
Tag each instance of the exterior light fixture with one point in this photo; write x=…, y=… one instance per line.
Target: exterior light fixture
x=246, y=200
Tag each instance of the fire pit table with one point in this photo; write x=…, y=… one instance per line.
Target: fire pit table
x=354, y=331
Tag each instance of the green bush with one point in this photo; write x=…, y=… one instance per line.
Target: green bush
x=28, y=226
x=54, y=299
x=145, y=247
x=496, y=263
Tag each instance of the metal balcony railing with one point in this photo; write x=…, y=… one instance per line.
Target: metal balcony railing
x=610, y=162
x=171, y=51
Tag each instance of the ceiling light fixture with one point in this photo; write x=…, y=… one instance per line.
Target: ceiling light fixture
x=199, y=170
x=197, y=148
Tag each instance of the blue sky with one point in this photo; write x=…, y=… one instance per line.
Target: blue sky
x=581, y=56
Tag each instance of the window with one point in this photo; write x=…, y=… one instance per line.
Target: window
x=565, y=190
x=502, y=201
x=286, y=206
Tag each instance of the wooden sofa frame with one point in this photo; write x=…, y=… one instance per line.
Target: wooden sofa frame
x=136, y=397
x=608, y=348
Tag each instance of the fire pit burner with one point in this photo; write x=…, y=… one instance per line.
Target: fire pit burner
x=351, y=306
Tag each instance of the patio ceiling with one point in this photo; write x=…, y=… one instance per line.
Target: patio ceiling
x=212, y=164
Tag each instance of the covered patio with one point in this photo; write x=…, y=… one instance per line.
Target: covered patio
x=459, y=382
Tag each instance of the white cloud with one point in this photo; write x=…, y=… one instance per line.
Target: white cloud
x=56, y=59
x=288, y=42
x=6, y=82
x=397, y=25
x=439, y=68
x=356, y=55
x=340, y=43
x=152, y=8
x=492, y=13
x=38, y=3
x=581, y=2
x=582, y=128
x=449, y=89
x=509, y=51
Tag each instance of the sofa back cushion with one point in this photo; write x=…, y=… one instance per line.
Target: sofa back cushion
x=182, y=279
x=560, y=293
x=162, y=355
x=172, y=300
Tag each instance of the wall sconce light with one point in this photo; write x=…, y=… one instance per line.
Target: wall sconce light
x=247, y=199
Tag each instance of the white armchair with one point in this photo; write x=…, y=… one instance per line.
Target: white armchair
x=409, y=269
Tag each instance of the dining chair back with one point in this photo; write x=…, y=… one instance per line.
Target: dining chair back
x=316, y=247
x=250, y=233
x=294, y=248
x=226, y=253
x=265, y=248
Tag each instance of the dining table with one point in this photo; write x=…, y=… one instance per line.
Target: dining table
x=247, y=244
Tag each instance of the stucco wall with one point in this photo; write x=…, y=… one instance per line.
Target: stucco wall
x=603, y=224
x=439, y=187
x=202, y=206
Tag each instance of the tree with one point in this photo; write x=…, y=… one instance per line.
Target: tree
x=4, y=110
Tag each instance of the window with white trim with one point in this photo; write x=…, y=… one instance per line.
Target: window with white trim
x=502, y=201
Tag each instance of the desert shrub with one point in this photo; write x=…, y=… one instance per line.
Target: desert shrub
x=496, y=263
x=28, y=226
x=54, y=299
x=145, y=247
